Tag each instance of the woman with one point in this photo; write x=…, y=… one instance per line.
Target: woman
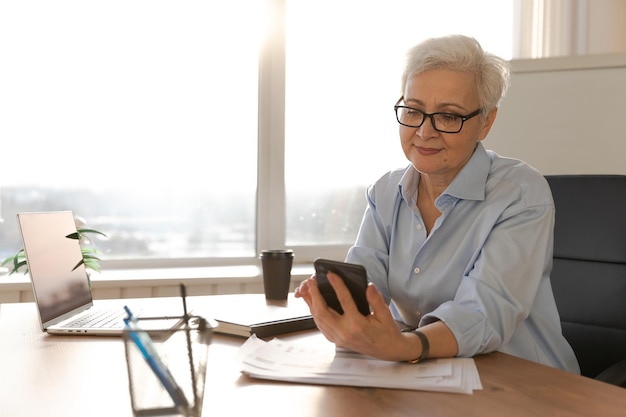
x=457, y=246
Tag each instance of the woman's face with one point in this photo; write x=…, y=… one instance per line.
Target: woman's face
x=442, y=155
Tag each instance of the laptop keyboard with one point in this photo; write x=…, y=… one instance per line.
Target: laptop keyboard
x=98, y=319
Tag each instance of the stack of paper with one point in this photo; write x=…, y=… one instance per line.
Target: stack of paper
x=283, y=361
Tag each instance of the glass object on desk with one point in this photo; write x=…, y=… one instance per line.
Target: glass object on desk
x=167, y=365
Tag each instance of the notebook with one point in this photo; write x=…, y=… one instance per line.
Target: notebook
x=248, y=314
x=62, y=291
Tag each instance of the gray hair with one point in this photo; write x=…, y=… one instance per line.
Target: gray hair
x=464, y=54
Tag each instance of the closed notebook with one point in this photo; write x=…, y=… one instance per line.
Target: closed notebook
x=247, y=314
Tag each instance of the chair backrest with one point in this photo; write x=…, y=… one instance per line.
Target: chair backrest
x=589, y=272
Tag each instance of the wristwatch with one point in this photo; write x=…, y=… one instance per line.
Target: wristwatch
x=425, y=344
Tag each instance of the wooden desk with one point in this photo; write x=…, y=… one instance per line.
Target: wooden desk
x=42, y=375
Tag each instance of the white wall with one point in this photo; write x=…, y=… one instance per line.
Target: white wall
x=565, y=115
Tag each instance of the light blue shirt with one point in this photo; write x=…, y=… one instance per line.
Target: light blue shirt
x=484, y=269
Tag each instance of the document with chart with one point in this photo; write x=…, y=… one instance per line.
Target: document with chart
x=286, y=361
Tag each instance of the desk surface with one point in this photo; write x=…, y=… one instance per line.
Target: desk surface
x=76, y=376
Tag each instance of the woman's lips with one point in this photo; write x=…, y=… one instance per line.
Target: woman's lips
x=427, y=151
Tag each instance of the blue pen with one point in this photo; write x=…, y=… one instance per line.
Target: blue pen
x=144, y=343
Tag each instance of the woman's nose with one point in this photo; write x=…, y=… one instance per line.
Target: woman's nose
x=427, y=129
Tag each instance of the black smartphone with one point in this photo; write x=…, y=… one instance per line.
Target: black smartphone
x=353, y=275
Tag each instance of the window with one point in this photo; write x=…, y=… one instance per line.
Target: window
x=343, y=67
x=139, y=116
x=199, y=132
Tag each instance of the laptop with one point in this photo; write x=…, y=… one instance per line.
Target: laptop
x=62, y=291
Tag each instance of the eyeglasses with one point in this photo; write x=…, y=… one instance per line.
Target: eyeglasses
x=442, y=122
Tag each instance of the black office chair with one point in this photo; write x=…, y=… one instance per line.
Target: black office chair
x=589, y=272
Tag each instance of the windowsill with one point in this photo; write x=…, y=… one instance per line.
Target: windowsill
x=167, y=276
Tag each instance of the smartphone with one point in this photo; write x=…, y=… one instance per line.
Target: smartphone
x=353, y=275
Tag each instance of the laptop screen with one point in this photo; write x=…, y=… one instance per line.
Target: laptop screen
x=51, y=256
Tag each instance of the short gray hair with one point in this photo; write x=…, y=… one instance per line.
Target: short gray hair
x=464, y=54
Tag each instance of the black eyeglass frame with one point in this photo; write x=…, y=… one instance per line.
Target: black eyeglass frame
x=432, y=120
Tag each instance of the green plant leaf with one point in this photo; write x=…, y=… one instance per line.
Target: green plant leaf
x=18, y=266
x=90, y=259
x=83, y=231
x=93, y=264
x=7, y=260
x=82, y=261
x=18, y=261
x=80, y=232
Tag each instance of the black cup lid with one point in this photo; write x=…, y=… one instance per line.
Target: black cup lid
x=276, y=253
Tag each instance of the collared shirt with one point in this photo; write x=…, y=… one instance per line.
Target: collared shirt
x=484, y=269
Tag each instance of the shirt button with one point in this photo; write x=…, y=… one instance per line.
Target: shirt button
x=418, y=227
x=416, y=270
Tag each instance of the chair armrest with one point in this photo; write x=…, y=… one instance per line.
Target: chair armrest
x=615, y=374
